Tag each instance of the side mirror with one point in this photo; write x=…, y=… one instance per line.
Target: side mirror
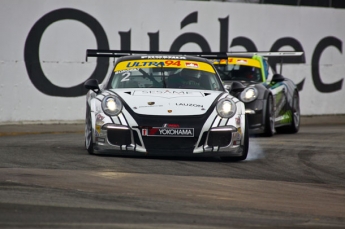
x=237, y=87
x=227, y=87
x=92, y=84
x=277, y=78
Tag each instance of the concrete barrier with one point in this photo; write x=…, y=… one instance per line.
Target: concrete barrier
x=43, y=44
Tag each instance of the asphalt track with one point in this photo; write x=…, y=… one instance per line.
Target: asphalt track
x=47, y=180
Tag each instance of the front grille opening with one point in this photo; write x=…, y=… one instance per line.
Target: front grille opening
x=170, y=144
x=219, y=138
x=119, y=137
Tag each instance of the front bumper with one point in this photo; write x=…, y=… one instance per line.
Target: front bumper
x=123, y=140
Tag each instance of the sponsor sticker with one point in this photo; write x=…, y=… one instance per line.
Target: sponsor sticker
x=100, y=117
x=98, y=128
x=238, y=121
x=168, y=93
x=241, y=61
x=151, y=106
x=127, y=70
x=163, y=57
x=168, y=132
x=124, y=66
x=189, y=105
x=192, y=65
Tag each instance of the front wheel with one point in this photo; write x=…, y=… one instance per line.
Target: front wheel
x=295, y=117
x=269, y=117
x=88, y=134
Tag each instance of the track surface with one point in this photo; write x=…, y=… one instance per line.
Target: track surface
x=292, y=181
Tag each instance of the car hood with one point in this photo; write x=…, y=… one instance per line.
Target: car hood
x=168, y=101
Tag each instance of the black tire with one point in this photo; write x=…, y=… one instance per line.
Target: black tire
x=295, y=117
x=269, y=117
x=88, y=132
x=245, y=146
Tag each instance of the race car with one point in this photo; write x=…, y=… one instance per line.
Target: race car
x=271, y=100
x=163, y=104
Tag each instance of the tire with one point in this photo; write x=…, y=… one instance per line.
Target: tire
x=88, y=132
x=295, y=117
x=269, y=117
x=245, y=146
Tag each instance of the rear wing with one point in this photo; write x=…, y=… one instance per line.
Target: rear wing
x=273, y=57
x=120, y=53
x=207, y=55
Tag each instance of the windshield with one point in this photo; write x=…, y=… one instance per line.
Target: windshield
x=239, y=72
x=165, y=74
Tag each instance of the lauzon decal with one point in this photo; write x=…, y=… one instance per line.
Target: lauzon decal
x=189, y=105
x=43, y=84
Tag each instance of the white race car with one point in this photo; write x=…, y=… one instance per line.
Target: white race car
x=164, y=104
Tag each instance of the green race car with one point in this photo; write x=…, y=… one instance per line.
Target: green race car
x=271, y=100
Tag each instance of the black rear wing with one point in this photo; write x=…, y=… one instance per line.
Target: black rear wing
x=207, y=55
x=273, y=57
x=120, y=53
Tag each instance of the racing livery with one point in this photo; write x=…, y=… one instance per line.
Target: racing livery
x=271, y=100
x=157, y=103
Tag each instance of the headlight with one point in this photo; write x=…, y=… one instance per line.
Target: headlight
x=226, y=108
x=111, y=105
x=249, y=94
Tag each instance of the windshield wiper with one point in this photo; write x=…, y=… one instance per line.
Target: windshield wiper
x=154, y=81
x=163, y=78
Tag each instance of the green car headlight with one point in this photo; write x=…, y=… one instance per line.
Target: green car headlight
x=249, y=94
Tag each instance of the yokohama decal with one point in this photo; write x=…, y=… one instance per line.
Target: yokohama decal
x=168, y=132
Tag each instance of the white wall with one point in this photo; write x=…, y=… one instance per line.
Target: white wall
x=63, y=45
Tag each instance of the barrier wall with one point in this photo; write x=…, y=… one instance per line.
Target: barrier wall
x=43, y=44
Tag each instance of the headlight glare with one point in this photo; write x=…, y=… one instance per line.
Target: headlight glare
x=226, y=108
x=249, y=94
x=111, y=105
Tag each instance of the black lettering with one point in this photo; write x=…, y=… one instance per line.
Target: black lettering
x=224, y=34
x=191, y=18
x=190, y=37
x=154, y=41
x=320, y=47
x=244, y=42
x=32, y=45
x=125, y=40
